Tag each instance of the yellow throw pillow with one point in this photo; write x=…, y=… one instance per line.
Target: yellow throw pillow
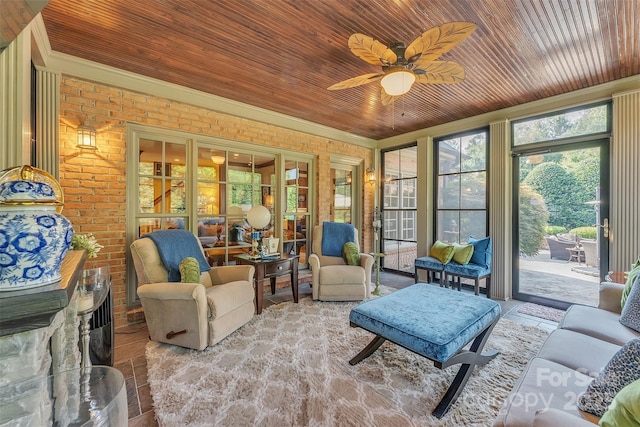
x=631, y=278
x=624, y=410
x=462, y=253
x=189, y=270
x=351, y=254
x=441, y=251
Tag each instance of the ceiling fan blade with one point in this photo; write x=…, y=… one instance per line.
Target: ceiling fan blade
x=356, y=81
x=371, y=51
x=438, y=40
x=443, y=72
x=386, y=98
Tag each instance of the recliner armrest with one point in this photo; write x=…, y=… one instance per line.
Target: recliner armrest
x=231, y=273
x=314, y=264
x=172, y=291
x=610, y=296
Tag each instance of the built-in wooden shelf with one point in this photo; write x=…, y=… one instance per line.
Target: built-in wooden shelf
x=28, y=309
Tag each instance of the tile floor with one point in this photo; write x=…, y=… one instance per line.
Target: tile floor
x=130, y=342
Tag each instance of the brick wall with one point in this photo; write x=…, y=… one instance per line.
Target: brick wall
x=94, y=182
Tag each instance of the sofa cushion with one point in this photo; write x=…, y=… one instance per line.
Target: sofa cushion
x=441, y=251
x=630, y=315
x=462, y=253
x=351, y=253
x=597, y=323
x=468, y=270
x=543, y=385
x=429, y=263
x=342, y=274
x=189, y=270
x=625, y=407
x=481, y=251
x=225, y=298
x=578, y=351
x=556, y=417
x=622, y=369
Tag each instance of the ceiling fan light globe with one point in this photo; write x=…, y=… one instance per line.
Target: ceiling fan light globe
x=398, y=82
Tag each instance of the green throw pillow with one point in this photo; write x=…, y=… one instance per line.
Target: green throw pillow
x=631, y=277
x=351, y=254
x=189, y=270
x=462, y=253
x=635, y=271
x=625, y=408
x=441, y=251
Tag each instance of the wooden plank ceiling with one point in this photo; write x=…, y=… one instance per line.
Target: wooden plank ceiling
x=282, y=55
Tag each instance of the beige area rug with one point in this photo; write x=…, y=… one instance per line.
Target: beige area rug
x=289, y=367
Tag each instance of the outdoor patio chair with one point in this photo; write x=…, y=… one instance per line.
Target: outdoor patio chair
x=558, y=248
x=590, y=248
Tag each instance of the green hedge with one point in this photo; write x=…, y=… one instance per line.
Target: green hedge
x=585, y=232
x=555, y=229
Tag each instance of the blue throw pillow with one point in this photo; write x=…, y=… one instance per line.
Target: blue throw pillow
x=622, y=369
x=481, y=251
x=630, y=316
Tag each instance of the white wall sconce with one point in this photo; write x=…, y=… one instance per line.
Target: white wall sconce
x=86, y=137
x=371, y=175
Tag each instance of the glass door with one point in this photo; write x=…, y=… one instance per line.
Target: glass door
x=342, y=204
x=399, y=209
x=561, y=200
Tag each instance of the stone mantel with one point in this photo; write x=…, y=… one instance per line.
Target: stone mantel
x=29, y=309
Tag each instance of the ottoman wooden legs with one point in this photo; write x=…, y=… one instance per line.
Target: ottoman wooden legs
x=468, y=358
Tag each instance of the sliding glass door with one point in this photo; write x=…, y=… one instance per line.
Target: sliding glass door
x=562, y=205
x=399, y=211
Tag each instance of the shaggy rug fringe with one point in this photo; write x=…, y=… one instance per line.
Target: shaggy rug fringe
x=289, y=367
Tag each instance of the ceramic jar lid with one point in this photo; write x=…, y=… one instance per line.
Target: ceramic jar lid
x=27, y=185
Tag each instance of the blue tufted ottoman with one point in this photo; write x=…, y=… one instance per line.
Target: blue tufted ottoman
x=435, y=323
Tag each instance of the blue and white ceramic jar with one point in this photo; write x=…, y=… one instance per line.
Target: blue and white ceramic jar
x=34, y=236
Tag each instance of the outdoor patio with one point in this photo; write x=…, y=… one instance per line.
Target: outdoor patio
x=561, y=280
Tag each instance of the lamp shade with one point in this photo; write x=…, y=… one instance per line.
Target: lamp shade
x=398, y=82
x=258, y=217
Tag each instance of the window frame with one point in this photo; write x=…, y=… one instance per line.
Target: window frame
x=193, y=142
x=436, y=194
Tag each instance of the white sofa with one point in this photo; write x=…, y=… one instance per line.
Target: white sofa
x=546, y=393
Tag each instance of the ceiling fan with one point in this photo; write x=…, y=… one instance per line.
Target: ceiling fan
x=402, y=66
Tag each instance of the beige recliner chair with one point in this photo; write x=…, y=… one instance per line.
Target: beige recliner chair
x=193, y=315
x=332, y=279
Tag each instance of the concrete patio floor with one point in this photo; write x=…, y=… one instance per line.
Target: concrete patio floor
x=542, y=276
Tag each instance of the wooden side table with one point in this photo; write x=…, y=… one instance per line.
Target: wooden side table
x=616, y=277
x=272, y=269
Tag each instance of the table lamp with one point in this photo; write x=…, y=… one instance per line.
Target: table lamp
x=258, y=218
